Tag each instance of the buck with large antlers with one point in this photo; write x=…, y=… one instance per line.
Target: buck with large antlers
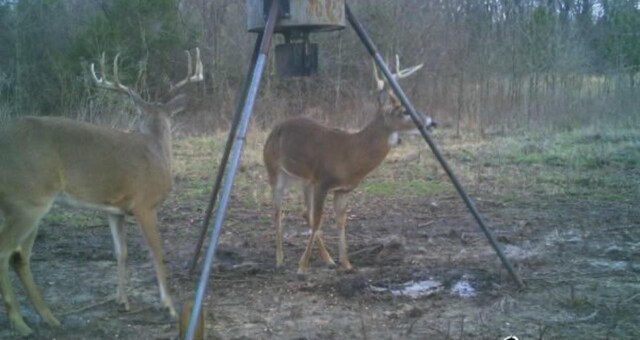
x=329, y=160
x=46, y=159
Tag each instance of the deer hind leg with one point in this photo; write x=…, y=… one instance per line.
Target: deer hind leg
x=315, y=212
x=119, y=234
x=340, y=207
x=308, y=200
x=148, y=221
x=16, y=240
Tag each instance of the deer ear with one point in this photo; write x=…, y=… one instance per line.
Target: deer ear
x=383, y=98
x=393, y=99
x=177, y=104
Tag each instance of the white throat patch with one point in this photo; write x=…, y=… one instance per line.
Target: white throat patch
x=393, y=139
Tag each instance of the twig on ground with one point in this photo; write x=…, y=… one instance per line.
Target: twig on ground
x=137, y=311
x=586, y=318
x=93, y=305
x=426, y=224
x=631, y=298
x=367, y=249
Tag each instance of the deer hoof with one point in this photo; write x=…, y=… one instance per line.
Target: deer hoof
x=52, y=321
x=302, y=276
x=21, y=327
x=331, y=265
x=347, y=270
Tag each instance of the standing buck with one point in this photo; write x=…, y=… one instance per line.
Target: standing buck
x=45, y=159
x=330, y=160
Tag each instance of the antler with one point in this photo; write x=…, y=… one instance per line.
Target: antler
x=379, y=81
x=405, y=72
x=197, y=74
x=399, y=74
x=115, y=85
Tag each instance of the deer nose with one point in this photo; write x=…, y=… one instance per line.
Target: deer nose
x=429, y=123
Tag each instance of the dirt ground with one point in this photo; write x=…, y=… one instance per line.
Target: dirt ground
x=578, y=253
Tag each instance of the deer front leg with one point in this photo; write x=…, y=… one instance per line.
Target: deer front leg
x=340, y=207
x=119, y=234
x=9, y=298
x=148, y=221
x=324, y=253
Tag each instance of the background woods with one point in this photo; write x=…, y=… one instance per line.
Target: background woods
x=538, y=105
x=491, y=65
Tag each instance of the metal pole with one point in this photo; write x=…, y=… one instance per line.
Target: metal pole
x=225, y=157
x=243, y=125
x=368, y=43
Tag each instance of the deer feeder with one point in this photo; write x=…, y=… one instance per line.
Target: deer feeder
x=295, y=20
x=297, y=56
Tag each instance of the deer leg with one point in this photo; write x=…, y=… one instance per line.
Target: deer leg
x=19, y=225
x=21, y=263
x=148, y=221
x=278, y=189
x=315, y=212
x=307, y=192
x=119, y=234
x=9, y=298
x=308, y=199
x=340, y=207
x=324, y=253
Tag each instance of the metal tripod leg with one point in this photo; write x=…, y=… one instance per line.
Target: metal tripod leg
x=225, y=157
x=368, y=43
x=243, y=124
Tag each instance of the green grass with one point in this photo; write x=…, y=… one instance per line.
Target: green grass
x=412, y=188
x=590, y=163
x=76, y=217
x=601, y=164
x=582, y=149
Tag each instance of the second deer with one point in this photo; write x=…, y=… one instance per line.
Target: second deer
x=47, y=159
x=328, y=160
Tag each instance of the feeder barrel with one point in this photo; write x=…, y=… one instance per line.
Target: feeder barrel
x=298, y=15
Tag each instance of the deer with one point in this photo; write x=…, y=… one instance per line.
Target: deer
x=329, y=160
x=52, y=159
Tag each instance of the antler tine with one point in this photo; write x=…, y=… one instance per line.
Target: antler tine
x=102, y=68
x=102, y=81
x=93, y=73
x=199, y=75
x=191, y=77
x=379, y=82
x=116, y=79
x=189, y=66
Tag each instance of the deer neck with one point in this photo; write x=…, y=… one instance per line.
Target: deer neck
x=158, y=130
x=372, y=145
